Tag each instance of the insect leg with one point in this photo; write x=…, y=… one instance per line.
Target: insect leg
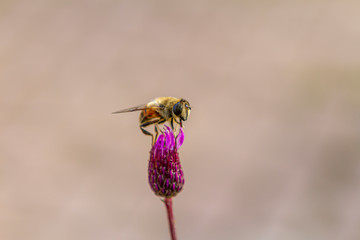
x=147, y=124
x=178, y=122
x=156, y=132
x=158, y=128
x=175, y=129
x=172, y=123
x=178, y=125
x=161, y=122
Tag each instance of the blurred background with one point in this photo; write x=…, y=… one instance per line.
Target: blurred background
x=272, y=146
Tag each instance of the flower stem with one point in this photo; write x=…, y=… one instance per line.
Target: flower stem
x=168, y=204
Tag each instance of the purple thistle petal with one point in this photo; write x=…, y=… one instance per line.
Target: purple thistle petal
x=157, y=146
x=167, y=136
x=160, y=141
x=160, y=180
x=172, y=143
x=180, y=138
x=170, y=138
x=171, y=175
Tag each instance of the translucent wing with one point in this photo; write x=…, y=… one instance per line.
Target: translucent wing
x=137, y=108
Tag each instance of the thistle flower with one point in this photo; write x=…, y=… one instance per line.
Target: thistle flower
x=166, y=177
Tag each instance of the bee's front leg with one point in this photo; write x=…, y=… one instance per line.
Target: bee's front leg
x=175, y=128
x=172, y=123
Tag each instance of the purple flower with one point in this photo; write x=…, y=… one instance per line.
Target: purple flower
x=166, y=177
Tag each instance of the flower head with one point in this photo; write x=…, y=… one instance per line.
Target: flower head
x=166, y=177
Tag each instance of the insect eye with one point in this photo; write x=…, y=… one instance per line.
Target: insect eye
x=186, y=105
x=177, y=109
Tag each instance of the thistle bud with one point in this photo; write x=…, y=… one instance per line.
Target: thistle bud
x=166, y=177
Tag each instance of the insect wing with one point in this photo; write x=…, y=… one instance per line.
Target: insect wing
x=137, y=108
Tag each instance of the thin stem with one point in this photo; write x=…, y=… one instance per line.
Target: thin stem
x=168, y=204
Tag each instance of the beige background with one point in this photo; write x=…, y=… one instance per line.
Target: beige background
x=271, y=148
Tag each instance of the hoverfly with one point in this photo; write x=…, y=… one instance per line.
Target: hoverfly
x=161, y=110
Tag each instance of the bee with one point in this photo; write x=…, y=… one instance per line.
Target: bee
x=161, y=110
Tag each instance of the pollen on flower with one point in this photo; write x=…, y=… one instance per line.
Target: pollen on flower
x=166, y=177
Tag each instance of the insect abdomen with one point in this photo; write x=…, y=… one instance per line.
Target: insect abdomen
x=148, y=115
